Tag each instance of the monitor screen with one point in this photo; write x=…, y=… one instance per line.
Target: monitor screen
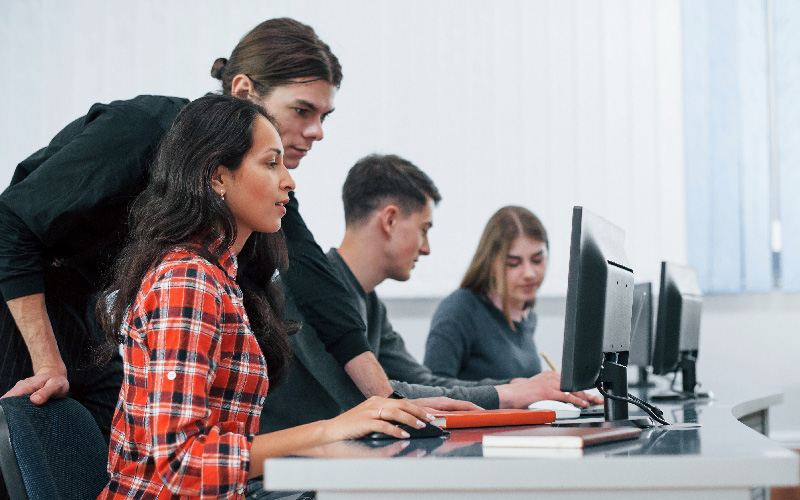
x=680, y=304
x=641, y=353
x=599, y=300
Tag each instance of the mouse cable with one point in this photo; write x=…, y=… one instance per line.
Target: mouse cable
x=654, y=412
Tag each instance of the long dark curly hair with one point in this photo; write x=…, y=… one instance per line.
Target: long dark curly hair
x=179, y=209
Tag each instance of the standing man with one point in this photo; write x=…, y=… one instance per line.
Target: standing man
x=63, y=220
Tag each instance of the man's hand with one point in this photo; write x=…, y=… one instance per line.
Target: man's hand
x=50, y=373
x=43, y=386
x=545, y=385
x=441, y=403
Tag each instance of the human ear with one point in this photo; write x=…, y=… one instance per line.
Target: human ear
x=388, y=218
x=242, y=86
x=219, y=180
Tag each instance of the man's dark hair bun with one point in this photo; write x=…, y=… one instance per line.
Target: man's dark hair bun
x=218, y=68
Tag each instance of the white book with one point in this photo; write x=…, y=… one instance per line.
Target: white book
x=559, y=437
x=517, y=452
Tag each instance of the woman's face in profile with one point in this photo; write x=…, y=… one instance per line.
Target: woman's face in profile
x=525, y=267
x=257, y=191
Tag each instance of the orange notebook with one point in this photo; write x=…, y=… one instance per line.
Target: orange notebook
x=492, y=418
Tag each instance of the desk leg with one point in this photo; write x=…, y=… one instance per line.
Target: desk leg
x=758, y=421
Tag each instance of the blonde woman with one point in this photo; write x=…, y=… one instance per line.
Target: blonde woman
x=485, y=328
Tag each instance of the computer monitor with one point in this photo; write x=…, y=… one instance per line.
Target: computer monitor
x=641, y=353
x=597, y=327
x=677, y=340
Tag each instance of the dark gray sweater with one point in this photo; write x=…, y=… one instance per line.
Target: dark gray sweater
x=470, y=339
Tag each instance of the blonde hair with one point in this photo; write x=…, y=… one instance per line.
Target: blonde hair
x=506, y=225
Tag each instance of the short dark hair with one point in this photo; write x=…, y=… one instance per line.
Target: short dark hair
x=377, y=179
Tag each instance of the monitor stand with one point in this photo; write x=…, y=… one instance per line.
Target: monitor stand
x=642, y=380
x=614, y=379
x=690, y=389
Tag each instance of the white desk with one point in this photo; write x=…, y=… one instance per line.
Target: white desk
x=723, y=459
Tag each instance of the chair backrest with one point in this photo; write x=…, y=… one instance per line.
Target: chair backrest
x=56, y=450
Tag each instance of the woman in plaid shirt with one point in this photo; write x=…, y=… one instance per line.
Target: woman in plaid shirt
x=200, y=350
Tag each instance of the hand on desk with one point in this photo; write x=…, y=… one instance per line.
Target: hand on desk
x=546, y=385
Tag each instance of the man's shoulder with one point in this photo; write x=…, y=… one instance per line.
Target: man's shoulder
x=152, y=103
x=339, y=266
x=145, y=108
x=333, y=256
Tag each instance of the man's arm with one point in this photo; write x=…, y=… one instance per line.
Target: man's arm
x=401, y=365
x=95, y=160
x=327, y=305
x=519, y=394
x=415, y=380
x=49, y=373
x=368, y=375
x=484, y=396
x=545, y=385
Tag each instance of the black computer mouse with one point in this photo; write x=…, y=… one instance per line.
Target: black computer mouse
x=428, y=431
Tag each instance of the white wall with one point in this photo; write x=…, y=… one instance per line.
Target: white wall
x=546, y=104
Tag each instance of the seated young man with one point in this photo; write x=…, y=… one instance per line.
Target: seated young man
x=388, y=205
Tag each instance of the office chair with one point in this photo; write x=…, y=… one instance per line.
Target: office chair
x=51, y=452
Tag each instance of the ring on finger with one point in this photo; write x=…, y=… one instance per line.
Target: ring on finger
x=379, y=413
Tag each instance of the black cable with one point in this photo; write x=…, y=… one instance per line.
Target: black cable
x=674, y=379
x=681, y=391
x=654, y=412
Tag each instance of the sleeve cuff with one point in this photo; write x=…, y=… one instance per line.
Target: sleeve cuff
x=242, y=483
x=349, y=346
x=22, y=286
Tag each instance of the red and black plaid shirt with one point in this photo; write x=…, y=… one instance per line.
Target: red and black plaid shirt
x=195, y=382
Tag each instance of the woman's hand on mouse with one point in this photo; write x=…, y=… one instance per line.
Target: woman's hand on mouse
x=376, y=414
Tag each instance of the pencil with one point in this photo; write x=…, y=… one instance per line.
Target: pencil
x=552, y=366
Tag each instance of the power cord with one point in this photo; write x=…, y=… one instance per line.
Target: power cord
x=654, y=412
